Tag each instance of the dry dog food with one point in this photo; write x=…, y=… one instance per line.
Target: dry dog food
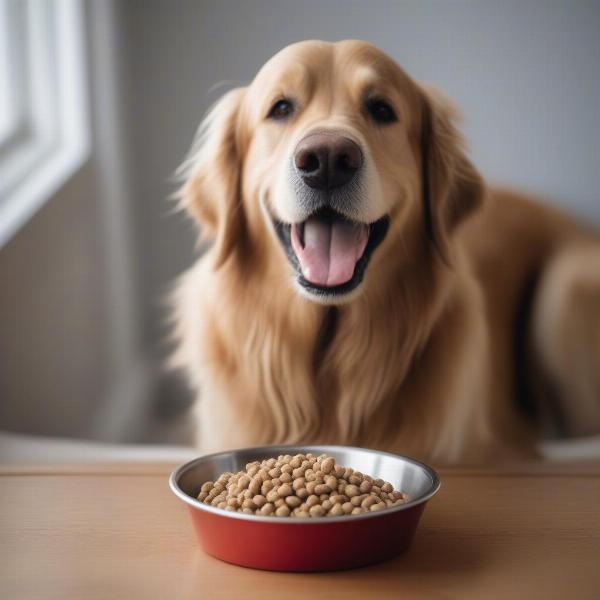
x=303, y=485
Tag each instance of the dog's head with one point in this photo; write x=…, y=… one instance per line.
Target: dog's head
x=326, y=164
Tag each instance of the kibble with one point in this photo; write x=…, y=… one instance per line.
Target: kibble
x=255, y=485
x=267, y=509
x=293, y=501
x=300, y=486
x=285, y=490
x=336, y=510
x=302, y=493
x=327, y=465
x=351, y=490
x=259, y=500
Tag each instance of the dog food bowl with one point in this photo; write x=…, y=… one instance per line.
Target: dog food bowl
x=307, y=544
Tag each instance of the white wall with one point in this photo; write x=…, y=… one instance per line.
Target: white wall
x=52, y=327
x=71, y=362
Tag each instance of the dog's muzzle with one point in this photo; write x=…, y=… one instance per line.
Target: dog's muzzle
x=330, y=248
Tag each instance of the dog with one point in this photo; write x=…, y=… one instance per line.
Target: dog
x=363, y=284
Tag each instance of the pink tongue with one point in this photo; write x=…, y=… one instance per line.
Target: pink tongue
x=331, y=249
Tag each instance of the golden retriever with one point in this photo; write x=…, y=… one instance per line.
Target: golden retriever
x=364, y=286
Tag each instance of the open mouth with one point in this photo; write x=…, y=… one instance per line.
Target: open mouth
x=329, y=252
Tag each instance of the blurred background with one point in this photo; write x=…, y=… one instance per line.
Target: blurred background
x=99, y=102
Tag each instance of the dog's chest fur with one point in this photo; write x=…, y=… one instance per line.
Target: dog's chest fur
x=345, y=375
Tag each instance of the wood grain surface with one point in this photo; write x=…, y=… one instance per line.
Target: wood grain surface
x=116, y=531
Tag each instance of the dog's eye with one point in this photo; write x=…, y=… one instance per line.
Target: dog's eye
x=282, y=109
x=380, y=111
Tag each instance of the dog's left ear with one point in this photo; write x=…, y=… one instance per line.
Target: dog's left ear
x=451, y=186
x=211, y=192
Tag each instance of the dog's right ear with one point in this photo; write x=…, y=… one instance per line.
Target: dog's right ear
x=452, y=187
x=211, y=191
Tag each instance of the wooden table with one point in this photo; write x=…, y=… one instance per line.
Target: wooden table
x=116, y=531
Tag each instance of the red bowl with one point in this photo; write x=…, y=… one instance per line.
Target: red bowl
x=314, y=544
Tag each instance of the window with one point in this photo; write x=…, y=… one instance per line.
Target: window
x=44, y=129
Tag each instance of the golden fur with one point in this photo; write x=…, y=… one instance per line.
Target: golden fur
x=470, y=289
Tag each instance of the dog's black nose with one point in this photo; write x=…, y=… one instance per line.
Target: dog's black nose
x=326, y=161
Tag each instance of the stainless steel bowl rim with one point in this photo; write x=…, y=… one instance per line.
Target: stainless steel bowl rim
x=276, y=450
